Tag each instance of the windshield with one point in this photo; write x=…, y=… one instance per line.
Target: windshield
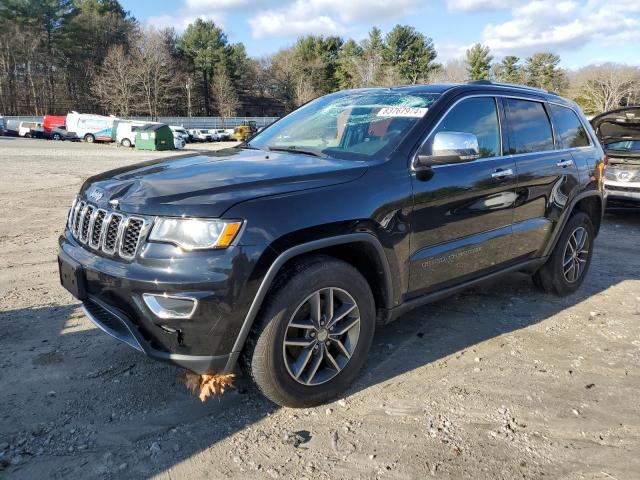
x=357, y=125
x=624, y=145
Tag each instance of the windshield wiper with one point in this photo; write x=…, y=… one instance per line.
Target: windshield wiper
x=294, y=149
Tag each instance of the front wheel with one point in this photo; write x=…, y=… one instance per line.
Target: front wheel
x=313, y=335
x=56, y=136
x=125, y=142
x=566, y=268
x=89, y=138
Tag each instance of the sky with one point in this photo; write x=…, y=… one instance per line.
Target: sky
x=580, y=31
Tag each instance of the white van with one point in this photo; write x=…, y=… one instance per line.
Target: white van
x=30, y=129
x=90, y=128
x=180, y=131
x=126, y=131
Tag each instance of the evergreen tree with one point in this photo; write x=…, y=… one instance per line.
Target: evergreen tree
x=206, y=47
x=508, y=70
x=542, y=71
x=479, y=62
x=411, y=53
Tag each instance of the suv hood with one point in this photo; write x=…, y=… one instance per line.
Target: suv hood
x=208, y=185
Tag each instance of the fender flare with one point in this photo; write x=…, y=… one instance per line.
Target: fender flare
x=567, y=214
x=292, y=252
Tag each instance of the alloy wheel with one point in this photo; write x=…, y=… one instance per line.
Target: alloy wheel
x=321, y=336
x=576, y=254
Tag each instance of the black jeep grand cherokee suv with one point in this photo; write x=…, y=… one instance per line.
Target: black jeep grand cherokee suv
x=284, y=253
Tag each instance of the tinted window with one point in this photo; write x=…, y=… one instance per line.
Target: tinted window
x=569, y=130
x=529, y=127
x=478, y=116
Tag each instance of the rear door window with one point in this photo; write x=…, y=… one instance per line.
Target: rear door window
x=569, y=130
x=529, y=127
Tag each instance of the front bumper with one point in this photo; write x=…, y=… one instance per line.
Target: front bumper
x=221, y=280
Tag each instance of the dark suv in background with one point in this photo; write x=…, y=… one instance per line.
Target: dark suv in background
x=285, y=252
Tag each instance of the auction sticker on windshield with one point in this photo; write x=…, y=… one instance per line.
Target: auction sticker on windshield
x=411, y=112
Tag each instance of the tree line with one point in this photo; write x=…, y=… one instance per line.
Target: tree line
x=93, y=56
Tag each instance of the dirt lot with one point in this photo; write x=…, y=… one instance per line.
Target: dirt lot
x=498, y=382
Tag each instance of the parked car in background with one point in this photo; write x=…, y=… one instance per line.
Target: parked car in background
x=12, y=125
x=50, y=122
x=61, y=133
x=30, y=130
x=181, y=131
x=125, y=131
x=200, y=135
x=354, y=209
x=224, y=135
x=179, y=141
x=90, y=128
x=619, y=132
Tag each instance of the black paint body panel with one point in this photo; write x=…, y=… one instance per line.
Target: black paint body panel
x=434, y=229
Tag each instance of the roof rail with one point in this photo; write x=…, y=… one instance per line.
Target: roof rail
x=510, y=85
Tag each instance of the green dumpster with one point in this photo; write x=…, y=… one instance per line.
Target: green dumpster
x=154, y=136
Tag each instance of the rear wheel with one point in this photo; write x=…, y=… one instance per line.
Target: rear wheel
x=89, y=138
x=569, y=263
x=313, y=335
x=125, y=142
x=57, y=136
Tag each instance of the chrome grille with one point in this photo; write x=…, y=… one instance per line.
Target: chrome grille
x=86, y=220
x=96, y=231
x=111, y=237
x=110, y=232
x=130, y=237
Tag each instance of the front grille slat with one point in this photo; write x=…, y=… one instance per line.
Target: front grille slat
x=86, y=221
x=96, y=232
x=131, y=237
x=111, y=236
x=110, y=232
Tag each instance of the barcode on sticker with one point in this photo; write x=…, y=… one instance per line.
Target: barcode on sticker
x=412, y=112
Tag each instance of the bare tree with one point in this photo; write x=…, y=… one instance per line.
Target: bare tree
x=454, y=71
x=304, y=91
x=224, y=94
x=154, y=70
x=605, y=87
x=115, y=82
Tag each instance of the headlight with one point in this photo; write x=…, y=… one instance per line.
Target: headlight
x=192, y=233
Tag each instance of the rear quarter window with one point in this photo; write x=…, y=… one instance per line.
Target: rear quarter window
x=529, y=127
x=569, y=130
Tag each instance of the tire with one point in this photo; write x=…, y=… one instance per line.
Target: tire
x=125, y=142
x=564, y=272
x=89, y=138
x=273, y=365
x=27, y=135
x=56, y=137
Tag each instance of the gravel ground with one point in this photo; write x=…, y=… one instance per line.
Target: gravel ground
x=497, y=382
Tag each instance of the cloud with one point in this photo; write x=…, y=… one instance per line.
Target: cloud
x=549, y=25
x=328, y=16
x=205, y=9
x=181, y=20
x=477, y=5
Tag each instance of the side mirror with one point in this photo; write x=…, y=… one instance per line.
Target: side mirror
x=449, y=147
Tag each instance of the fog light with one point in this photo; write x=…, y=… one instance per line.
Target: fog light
x=168, y=306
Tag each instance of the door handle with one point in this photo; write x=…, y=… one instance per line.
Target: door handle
x=565, y=163
x=499, y=173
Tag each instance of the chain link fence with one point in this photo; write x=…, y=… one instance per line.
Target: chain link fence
x=186, y=122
